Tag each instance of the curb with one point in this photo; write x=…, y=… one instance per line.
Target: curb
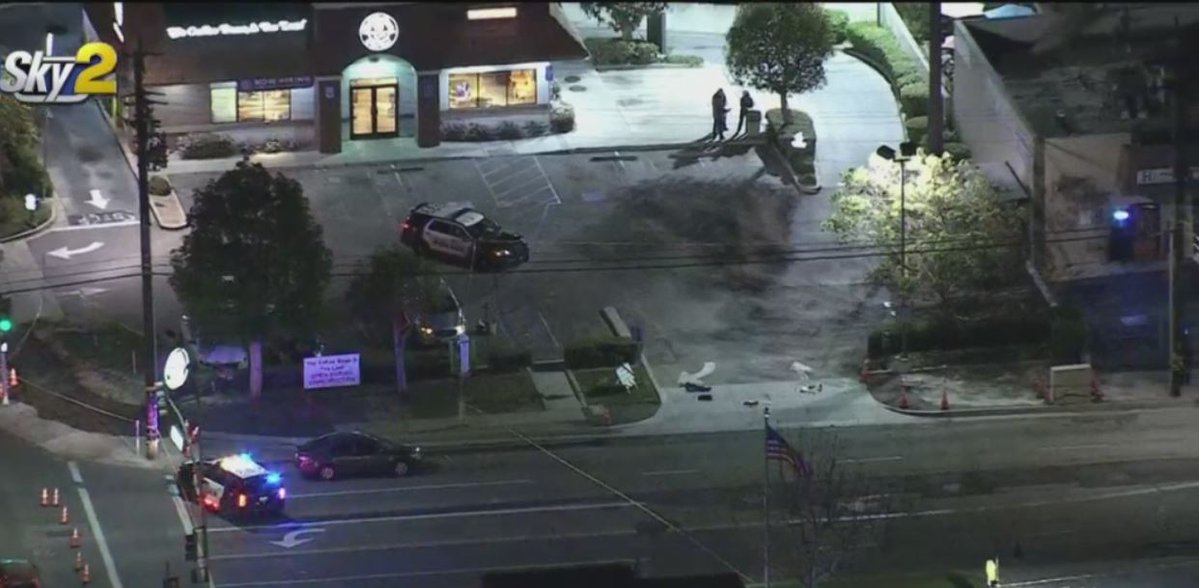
x=791, y=175
x=37, y=230
x=1046, y=409
x=622, y=67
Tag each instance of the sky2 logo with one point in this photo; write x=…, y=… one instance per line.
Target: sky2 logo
x=36, y=78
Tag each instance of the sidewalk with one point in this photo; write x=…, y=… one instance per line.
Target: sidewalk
x=21, y=420
x=986, y=390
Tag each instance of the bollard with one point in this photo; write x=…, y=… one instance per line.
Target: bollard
x=63, y=518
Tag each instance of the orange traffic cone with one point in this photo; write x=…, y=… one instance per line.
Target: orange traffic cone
x=45, y=497
x=63, y=518
x=75, y=540
x=903, y=400
x=85, y=576
x=54, y=498
x=944, y=400
x=78, y=560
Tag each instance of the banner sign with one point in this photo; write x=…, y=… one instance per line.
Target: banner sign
x=261, y=84
x=332, y=371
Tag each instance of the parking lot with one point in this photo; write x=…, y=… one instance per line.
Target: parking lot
x=710, y=258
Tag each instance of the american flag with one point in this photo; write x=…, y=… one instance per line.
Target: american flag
x=778, y=449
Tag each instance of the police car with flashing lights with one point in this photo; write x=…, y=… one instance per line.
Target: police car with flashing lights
x=233, y=485
x=459, y=234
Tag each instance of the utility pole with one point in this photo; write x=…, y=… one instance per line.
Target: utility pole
x=143, y=124
x=200, y=572
x=1181, y=209
x=936, y=106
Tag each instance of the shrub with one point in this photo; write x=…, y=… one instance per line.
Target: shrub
x=600, y=352
x=160, y=186
x=1069, y=337
x=959, y=151
x=618, y=52
x=207, y=147
x=800, y=123
x=938, y=335
x=838, y=23
x=274, y=145
x=913, y=99
x=917, y=127
x=688, y=60
x=911, y=77
x=509, y=131
x=535, y=128
x=505, y=359
x=871, y=41
x=453, y=131
x=562, y=118
x=478, y=132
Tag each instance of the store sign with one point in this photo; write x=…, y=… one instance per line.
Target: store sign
x=175, y=372
x=254, y=28
x=331, y=371
x=1148, y=177
x=262, y=84
x=379, y=31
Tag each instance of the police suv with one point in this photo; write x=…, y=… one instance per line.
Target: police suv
x=461, y=235
x=234, y=485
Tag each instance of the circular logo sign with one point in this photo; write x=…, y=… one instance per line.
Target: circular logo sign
x=379, y=31
x=174, y=373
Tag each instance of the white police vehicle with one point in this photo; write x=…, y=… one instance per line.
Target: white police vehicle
x=459, y=234
x=233, y=485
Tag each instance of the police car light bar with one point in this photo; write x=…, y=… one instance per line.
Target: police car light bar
x=241, y=466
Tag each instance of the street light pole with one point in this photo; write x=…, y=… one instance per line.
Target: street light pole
x=907, y=150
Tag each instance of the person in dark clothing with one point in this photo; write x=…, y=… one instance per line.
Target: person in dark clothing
x=747, y=104
x=719, y=110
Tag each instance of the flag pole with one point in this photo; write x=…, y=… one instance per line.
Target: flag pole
x=766, y=499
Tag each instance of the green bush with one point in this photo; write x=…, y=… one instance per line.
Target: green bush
x=838, y=24
x=207, y=147
x=688, y=60
x=562, y=118
x=913, y=99
x=911, y=77
x=159, y=186
x=800, y=123
x=915, y=17
x=453, y=131
x=618, y=52
x=600, y=352
x=535, y=128
x=504, y=359
x=510, y=131
x=871, y=41
x=959, y=151
x=476, y=132
x=1069, y=338
x=1016, y=329
x=917, y=127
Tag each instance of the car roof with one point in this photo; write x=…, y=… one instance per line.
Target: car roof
x=240, y=465
x=448, y=210
x=18, y=569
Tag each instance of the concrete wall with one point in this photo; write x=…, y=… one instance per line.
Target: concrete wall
x=1076, y=212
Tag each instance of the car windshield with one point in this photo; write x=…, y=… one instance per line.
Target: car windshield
x=484, y=227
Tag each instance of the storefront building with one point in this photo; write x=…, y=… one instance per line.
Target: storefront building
x=340, y=72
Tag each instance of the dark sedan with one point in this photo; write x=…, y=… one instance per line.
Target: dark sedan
x=19, y=573
x=346, y=454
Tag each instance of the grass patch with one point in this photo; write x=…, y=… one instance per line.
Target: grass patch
x=15, y=219
x=600, y=386
x=613, y=51
x=490, y=394
x=109, y=346
x=926, y=580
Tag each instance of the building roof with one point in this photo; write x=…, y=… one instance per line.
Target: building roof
x=1076, y=87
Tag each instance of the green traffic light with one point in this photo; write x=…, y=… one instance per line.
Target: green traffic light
x=5, y=325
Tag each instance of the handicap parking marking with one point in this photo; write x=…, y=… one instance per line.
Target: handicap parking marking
x=517, y=181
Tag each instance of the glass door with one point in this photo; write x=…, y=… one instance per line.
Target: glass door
x=385, y=110
x=362, y=119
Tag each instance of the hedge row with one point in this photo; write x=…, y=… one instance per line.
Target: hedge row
x=605, y=51
x=599, y=352
x=942, y=335
x=838, y=23
x=881, y=47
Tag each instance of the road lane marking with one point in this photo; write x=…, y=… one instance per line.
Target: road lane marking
x=447, y=572
x=128, y=223
x=102, y=544
x=75, y=475
x=670, y=472
x=410, y=488
x=1074, y=447
x=185, y=517
x=872, y=459
x=431, y=516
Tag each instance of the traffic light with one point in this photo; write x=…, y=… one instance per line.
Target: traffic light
x=5, y=324
x=189, y=546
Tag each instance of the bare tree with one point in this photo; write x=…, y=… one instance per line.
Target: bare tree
x=824, y=517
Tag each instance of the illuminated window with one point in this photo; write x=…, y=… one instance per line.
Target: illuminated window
x=266, y=106
x=223, y=103
x=495, y=89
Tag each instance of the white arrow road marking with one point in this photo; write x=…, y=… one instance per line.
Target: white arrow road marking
x=685, y=378
x=84, y=292
x=98, y=200
x=67, y=253
x=293, y=538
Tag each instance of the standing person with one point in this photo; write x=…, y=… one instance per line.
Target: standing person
x=992, y=570
x=719, y=108
x=747, y=104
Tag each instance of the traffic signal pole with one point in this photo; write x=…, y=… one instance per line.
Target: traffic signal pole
x=142, y=125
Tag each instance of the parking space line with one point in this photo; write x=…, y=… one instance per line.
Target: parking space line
x=529, y=198
x=669, y=473
x=497, y=181
x=486, y=184
x=503, y=167
x=549, y=331
x=93, y=521
x=528, y=182
x=557, y=199
x=410, y=488
x=446, y=572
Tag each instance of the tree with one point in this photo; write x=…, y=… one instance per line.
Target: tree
x=622, y=17
x=961, y=237
x=254, y=264
x=21, y=171
x=394, y=282
x=779, y=48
